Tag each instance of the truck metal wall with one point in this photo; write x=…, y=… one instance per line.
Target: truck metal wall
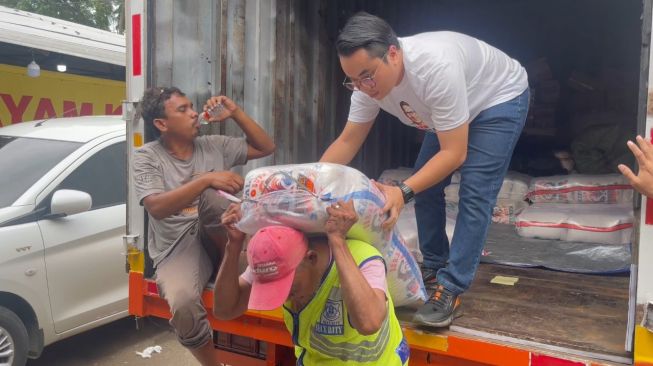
x=276, y=59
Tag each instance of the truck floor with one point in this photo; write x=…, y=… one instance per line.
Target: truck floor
x=586, y=313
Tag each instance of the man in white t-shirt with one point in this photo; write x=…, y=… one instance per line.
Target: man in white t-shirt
x=472, y=101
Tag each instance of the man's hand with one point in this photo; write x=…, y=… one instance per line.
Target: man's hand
x=231, y=292
x=366, y=306
x=230, y=217
x=394, y=203
x=342, y=217
x=226, y=180
x=225, y=107
x=643, y=181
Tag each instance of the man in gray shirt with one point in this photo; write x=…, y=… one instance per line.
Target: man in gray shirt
x=176, y=178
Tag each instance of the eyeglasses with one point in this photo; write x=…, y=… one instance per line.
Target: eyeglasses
x=368, y=82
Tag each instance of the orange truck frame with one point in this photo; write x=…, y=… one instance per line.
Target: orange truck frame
x=260, y=338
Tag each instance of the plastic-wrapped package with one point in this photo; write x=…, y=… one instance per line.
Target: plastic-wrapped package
x=297, y=196
x=578, y=188
x=598, y=223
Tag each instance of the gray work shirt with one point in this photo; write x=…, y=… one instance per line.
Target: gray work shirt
x=156, y=171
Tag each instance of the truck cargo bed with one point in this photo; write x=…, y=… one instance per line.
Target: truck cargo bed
x=584, y=313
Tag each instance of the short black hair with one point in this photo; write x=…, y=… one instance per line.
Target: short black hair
x=152, y=106
x=366, y=31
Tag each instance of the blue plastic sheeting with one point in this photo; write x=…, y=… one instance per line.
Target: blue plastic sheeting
x=504, y=246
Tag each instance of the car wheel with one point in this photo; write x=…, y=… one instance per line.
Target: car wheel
x=13, y=339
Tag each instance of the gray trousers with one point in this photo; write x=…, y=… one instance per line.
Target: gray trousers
x=184, y=273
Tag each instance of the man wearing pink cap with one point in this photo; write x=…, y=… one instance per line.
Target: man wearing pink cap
x=332, y=290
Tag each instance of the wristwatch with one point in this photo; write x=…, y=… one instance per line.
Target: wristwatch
x=406, y=192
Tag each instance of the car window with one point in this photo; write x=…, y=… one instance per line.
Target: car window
x=23, y=161
x=103, y=176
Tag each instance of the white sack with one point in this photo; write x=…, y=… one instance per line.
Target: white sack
x=598, y=223
x=579, y=188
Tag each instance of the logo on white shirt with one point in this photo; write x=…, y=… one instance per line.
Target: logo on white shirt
x=412, y=115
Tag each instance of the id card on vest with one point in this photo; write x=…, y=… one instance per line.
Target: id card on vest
x=332, y=319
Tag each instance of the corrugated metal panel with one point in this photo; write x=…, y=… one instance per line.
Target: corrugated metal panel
x=277, y=60
x=42, y=32
x=183, y=47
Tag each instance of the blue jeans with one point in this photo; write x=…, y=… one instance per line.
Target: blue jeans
x=492, y=138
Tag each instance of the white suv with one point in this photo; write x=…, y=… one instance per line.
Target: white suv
x=62, y=217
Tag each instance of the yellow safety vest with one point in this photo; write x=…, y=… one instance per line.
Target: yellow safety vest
x=323, y=335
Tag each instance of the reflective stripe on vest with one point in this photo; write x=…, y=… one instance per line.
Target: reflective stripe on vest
x=365, y=351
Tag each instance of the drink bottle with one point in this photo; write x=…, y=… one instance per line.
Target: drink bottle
x=205, y=116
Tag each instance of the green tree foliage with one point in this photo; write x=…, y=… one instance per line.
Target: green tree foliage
x=103, y=14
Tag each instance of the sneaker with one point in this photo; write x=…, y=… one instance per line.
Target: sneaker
x=429, y=276
x=440, y=309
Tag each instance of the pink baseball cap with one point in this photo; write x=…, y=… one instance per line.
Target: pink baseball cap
x=273, y=255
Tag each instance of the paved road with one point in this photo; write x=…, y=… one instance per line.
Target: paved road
x=117, y=344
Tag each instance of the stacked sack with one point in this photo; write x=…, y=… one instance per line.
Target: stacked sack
x=580, y=188
x=298, y=195
x=510, y=200
x=581, y=208
x=407, y=222
x=407, y=228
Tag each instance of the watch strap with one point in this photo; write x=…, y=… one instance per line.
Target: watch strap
x=406, y=192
